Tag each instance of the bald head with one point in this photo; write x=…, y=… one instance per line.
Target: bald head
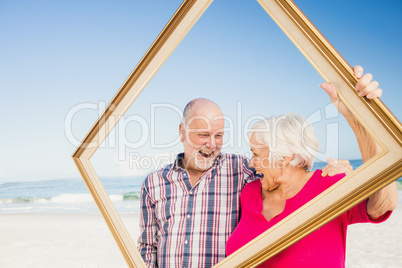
x=200, y=107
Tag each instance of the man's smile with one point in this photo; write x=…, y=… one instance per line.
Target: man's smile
x=205, y=154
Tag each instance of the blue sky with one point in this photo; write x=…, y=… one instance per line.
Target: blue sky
x=63, y=61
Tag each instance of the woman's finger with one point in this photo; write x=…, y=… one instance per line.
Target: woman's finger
x=358, y=70
x=375, y=94
x=373, y=85
x=364, y=81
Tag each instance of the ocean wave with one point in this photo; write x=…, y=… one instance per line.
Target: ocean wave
x=69, y=198
x=19, y=200
x=132, y=196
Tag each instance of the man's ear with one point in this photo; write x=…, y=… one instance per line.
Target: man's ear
x=182, y=132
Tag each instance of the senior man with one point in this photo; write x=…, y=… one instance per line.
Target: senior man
x=190, y=207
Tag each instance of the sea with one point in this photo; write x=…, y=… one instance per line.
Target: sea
x=72, y=196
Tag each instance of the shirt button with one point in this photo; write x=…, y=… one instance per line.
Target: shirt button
x=186, y=242
x=191, y=192
x=188, y=216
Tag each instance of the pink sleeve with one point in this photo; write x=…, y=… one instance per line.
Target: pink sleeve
x=358, y=214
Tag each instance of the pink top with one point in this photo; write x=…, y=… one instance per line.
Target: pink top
x=324, y=247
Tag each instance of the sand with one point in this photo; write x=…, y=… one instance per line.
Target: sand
x=83, y=240
x=60, y=240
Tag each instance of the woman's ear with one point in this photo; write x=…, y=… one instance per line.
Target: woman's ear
x=287, y=160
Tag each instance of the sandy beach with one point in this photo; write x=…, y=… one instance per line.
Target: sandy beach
x=83, y=240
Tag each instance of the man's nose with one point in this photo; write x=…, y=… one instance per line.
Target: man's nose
x=211, y=144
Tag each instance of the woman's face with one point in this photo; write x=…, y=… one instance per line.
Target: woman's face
x=263, y=162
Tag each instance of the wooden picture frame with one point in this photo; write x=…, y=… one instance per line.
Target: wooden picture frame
x=357, y=186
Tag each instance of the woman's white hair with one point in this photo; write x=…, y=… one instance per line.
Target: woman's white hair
x=287, y=135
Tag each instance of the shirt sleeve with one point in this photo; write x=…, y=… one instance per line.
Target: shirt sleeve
x=249, y=173
x=147, y=244
x=358, y=214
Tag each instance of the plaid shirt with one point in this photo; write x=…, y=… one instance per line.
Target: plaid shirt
x=185, y=226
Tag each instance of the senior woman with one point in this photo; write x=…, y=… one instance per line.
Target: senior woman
x=283, y=152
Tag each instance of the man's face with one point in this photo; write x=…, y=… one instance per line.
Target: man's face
x=202, y=138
